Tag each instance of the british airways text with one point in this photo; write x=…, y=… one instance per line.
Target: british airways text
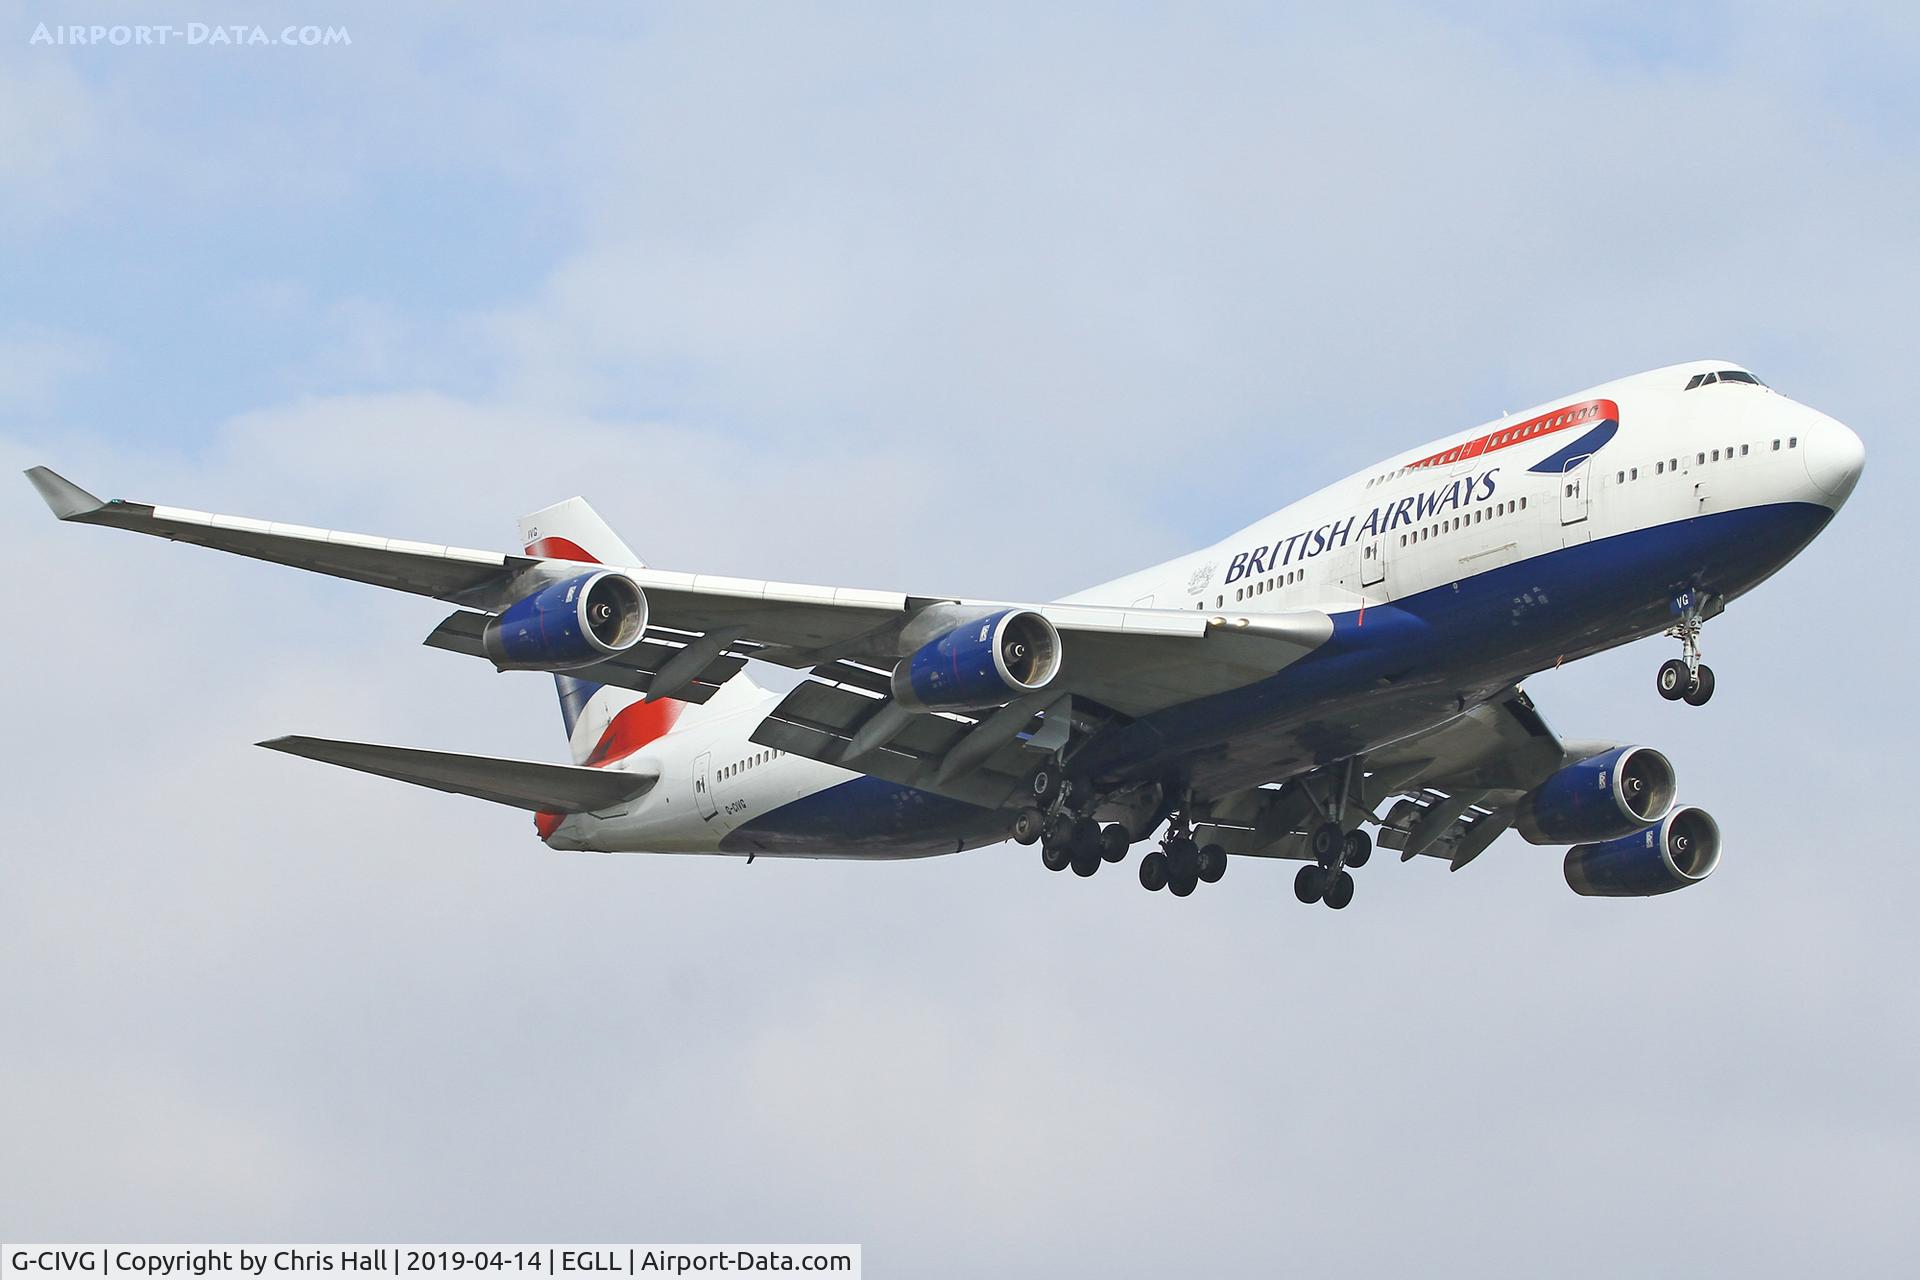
x=1382, y=519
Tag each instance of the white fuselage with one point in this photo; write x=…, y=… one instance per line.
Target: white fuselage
x=1434, y=517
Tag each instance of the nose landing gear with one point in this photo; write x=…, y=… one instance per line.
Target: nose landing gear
x=1686, y=678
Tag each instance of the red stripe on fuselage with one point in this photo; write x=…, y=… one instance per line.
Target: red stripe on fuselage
x=1574, y=415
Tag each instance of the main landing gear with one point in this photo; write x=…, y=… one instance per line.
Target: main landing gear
x=1065, y=839
x=1181, y=864
x=1336, y=844
x=1071, y=840
x=1686, y=678
x=1080, y=843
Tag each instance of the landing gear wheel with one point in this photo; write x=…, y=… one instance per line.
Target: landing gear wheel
x=1358, y=847
x=1339, y=891
x=1702, y=686
x=1055, y=855
x=1309, y=883
x=1114, y=842
x=1044, y=785
x=1084, y=841
x=1212, y=864
x=1029, y=825
x=1153, y=871
x=1325, y=842
x=1183, y=866
x=1674, y=680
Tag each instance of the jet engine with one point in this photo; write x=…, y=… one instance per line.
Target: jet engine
x=1602, y=797
x=1672, y=854
x=982, y=663
x=569, y=624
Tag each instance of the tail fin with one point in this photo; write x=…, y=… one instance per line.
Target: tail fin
x=604, y=723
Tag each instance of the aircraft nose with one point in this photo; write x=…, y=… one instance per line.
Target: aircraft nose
x=1834, y=457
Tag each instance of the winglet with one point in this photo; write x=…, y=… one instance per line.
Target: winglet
x=66, y=499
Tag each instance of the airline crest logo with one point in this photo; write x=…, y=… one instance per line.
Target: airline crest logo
x=1587, y=412
x=1201, y=577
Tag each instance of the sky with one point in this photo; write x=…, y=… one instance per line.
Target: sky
x=996, y=300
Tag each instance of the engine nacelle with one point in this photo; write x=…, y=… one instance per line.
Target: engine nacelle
x=982, y=663
x=1682, y=850
x=569, y=624
x=1603, y=797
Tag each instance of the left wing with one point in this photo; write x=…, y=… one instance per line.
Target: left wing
x=1131, y=661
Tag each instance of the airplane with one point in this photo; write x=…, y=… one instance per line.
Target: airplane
x=1353, y=660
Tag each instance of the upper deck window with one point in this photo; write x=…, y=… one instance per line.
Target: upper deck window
x=1723, y=375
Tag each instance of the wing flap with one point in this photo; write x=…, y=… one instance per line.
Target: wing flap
x=524, y=784
x=635, y=669
x=819, y=721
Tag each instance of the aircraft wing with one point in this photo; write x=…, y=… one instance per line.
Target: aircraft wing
x=1133, y=661
x=1454, y=787
x=524, y=784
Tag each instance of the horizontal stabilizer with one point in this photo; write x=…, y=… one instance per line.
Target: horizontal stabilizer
x=524, y=784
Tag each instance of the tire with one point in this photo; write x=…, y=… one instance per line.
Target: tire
x=1674, y=680
x=1182, y=881
x=1055, y=856
x=1309, y=883
x=1153, y=871
x=1083, y=843
x=1212, y=864
x=1358, y=847
x=1324, y=842
x=1340, y=892
x=1029, y=825
x=1044, y=785
x=1115, y=840
x=1702, y=687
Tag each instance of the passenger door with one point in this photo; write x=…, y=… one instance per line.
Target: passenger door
x=1373, y=562
x=703, y=786
x=1574, y=499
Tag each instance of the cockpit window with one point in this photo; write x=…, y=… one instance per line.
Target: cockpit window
x=1723, y=375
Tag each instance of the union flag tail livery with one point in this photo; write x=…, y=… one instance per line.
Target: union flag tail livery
x=1341, y=673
